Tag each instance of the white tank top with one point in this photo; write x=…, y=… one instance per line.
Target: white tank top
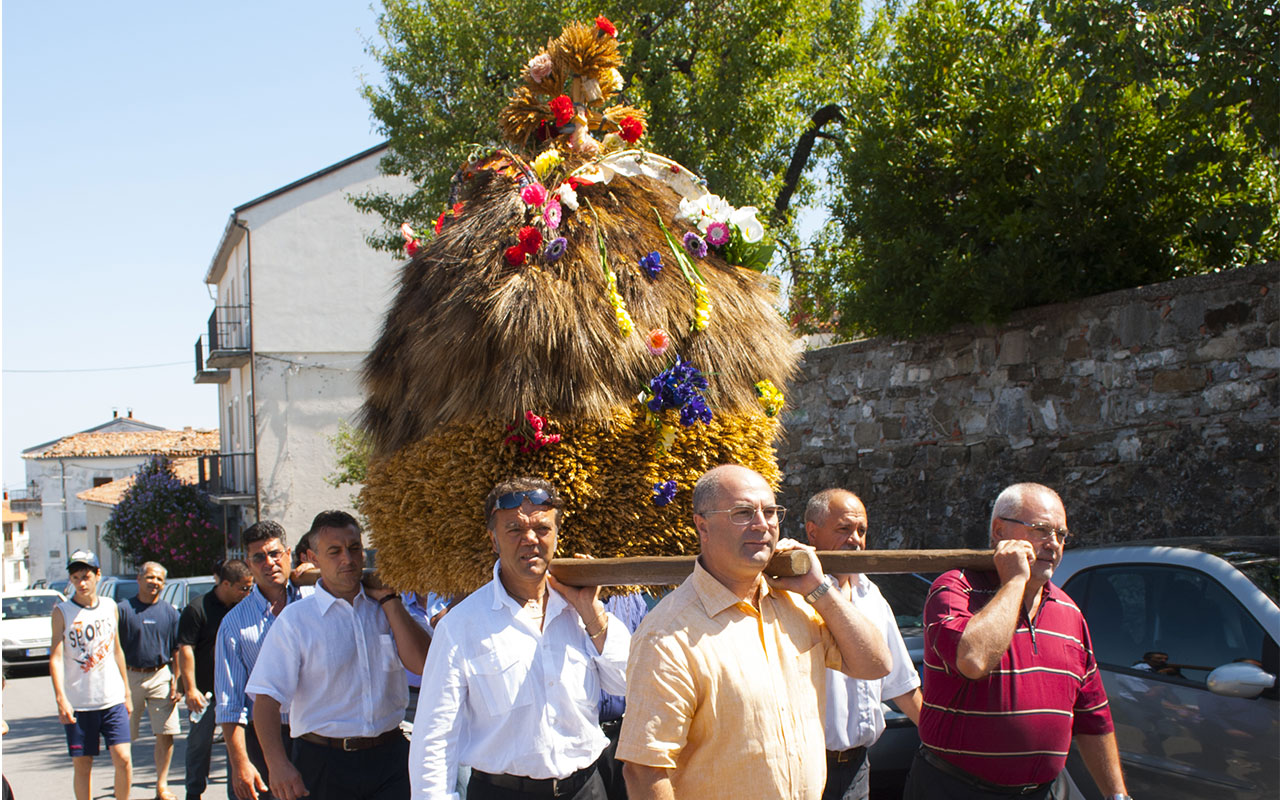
x=91, y=677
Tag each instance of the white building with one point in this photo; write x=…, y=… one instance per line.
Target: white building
x=58, y=471
x=100, y=503
x=15, y=574
x=300, y=299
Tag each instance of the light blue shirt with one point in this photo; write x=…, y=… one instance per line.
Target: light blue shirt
x=240, y=638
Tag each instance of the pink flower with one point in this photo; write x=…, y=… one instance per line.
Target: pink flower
x=539, y=67
x=657, y=341
x=535, y=194
x=551, y=214
x=717, y=234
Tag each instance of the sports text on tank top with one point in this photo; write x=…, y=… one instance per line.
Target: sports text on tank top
x=91, y=676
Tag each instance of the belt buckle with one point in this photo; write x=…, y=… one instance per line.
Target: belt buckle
x=345, y=747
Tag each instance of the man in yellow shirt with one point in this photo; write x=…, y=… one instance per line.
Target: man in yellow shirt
x=727, y=676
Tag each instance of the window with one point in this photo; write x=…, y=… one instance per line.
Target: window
x=100, y=481
x=1185, y=618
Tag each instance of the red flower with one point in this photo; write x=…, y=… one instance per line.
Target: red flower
x=412, y=247
x=577, y=183
x=631, y=129
x=514, y=255
x=562, y=107
x=457, y=209
x=603, y=23
x=439, y=223
x=530, y=239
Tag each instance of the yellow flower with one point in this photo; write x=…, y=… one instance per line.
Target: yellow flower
x=770, y=398
x=546, y=161
x=701, y=308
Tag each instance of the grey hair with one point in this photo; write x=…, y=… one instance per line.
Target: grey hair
x=146, y=565
x=820, y=504
x=1011, y=500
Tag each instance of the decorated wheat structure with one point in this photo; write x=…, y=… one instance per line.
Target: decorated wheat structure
x=586, y=312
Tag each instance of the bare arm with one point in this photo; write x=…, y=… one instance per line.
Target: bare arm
x=909, y=704
x=987, y=636
x=647, y=783
x=1103, y=760
x=187, y=669
x=286, y=782
x=861, y=644
x=66, y=714
x=245, y=780
x=124, y=675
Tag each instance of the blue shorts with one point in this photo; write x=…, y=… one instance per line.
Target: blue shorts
x=82, y=735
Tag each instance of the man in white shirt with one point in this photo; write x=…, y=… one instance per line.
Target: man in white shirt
x=837, y=520
x=512, y=683
x=336, y=660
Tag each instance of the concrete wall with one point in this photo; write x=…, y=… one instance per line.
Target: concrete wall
x=1153, y=411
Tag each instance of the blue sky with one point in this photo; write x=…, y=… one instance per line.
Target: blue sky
x=130, y=130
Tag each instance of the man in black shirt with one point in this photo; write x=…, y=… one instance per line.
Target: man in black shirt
x=197, y=638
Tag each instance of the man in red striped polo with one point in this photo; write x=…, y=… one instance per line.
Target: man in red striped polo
x=1009, y=672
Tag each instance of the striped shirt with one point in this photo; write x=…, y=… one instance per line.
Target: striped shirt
x=239, y=639
x=1015, y=725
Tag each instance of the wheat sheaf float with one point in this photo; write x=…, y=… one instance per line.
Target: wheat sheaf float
x=584, y=311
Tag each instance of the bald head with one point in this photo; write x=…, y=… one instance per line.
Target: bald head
x=709, y=489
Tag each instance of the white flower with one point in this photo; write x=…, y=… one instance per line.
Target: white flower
x=745, y=219
x=568, y=197
x=539, y=67
x=612, y=80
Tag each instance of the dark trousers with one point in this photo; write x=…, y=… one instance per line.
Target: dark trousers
x=847, y=778
x=199, y=748
x=254, y=748
x=379, y=773
x=615, y=788
x=928, y=782
x=593, y=789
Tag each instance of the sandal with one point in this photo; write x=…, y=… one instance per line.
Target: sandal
x=165, y=794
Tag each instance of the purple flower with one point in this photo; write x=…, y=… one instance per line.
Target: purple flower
x=694, y=244
x=664, y=493
x=680, y=386
x=652, y=264
x=717, y=234
x=555, y=248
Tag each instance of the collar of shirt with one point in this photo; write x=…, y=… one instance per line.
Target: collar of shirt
x=556, y=604
x=325, y=599
x=714, y=595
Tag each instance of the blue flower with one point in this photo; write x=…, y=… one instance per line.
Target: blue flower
x=555, y=249
x=664, y=493
x=680, y=386
x=652, y=264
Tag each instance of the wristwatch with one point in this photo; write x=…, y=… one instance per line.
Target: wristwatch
x=1119, y=797
x=823, y=588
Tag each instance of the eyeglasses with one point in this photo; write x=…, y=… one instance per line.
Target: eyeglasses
x=537, y=497
x=1041, y=531
x=273, y=555
x=745, y=515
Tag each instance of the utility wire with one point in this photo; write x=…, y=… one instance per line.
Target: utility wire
x=99, y=369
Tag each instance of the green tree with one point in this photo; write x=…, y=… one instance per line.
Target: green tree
x=729, y=88
x=997, y=155
x=162, y=519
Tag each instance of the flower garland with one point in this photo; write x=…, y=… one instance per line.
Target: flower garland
x=701, y=301
x=679, y=386
x=620, y=314
x=735, y=232
x=770, y=398
x=529, y=434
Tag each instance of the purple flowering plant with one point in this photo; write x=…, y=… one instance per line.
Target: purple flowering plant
x=663, y=493
x=680, y=386
x=652, y=264
x=162, y=519
x=695, y=245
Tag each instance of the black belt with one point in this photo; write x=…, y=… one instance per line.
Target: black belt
x=854, y=755
x=146, y=670
x=942, y=765
x=549, y=787
x=352, y=743
x=611, y=727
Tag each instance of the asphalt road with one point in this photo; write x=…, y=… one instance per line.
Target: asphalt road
x=34, y=752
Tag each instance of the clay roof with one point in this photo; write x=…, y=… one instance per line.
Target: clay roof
x=110, y=494
x=187, y=442
x=13, y=516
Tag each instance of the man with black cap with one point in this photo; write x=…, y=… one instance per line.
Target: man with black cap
x=86, y=665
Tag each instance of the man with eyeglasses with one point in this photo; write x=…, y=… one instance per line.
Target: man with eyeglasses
x=836, y=519
x=240, y=637
x=1010, y=678
x=197, y=638
x=512, y=681
x=727, y=675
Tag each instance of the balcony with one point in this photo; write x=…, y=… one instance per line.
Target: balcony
x=228, y=337
x=204, y=374
x=229, y=478
x=26, y=501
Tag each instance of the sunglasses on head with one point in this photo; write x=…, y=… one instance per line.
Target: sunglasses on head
x=537, y=497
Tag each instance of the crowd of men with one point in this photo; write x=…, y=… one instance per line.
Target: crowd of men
x=735, y=684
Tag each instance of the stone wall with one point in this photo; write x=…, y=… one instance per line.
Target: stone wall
x=1153, y=411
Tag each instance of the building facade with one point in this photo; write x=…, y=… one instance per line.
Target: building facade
x=300, y=297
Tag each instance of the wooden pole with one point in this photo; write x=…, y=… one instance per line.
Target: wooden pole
x=670, y=570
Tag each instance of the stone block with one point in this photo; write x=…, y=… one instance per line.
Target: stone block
x=1135, y=324
x=891, y=428
x=1227, y=316
x=1013, y=347
x=1188, y=379
x=1217, y=348
x=1267, y=359
x=1076, y=349
x=866, y=434
x=1022, y=373
x=1224, y=396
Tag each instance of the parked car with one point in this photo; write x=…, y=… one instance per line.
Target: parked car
x=118, y=587
x=25, y=627
x=1185, y=633
x=62, y=587
x=182, y=592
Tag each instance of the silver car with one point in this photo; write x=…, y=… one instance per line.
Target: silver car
x=1185, y=633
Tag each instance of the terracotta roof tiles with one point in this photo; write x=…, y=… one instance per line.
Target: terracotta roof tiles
x=175, y=444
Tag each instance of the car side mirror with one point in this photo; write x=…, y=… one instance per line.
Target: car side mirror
x=1240, y=680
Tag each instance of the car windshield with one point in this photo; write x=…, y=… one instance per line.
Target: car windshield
x=124, y=589
x=905, y=594
x=1264, y=571
x=36, y=605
